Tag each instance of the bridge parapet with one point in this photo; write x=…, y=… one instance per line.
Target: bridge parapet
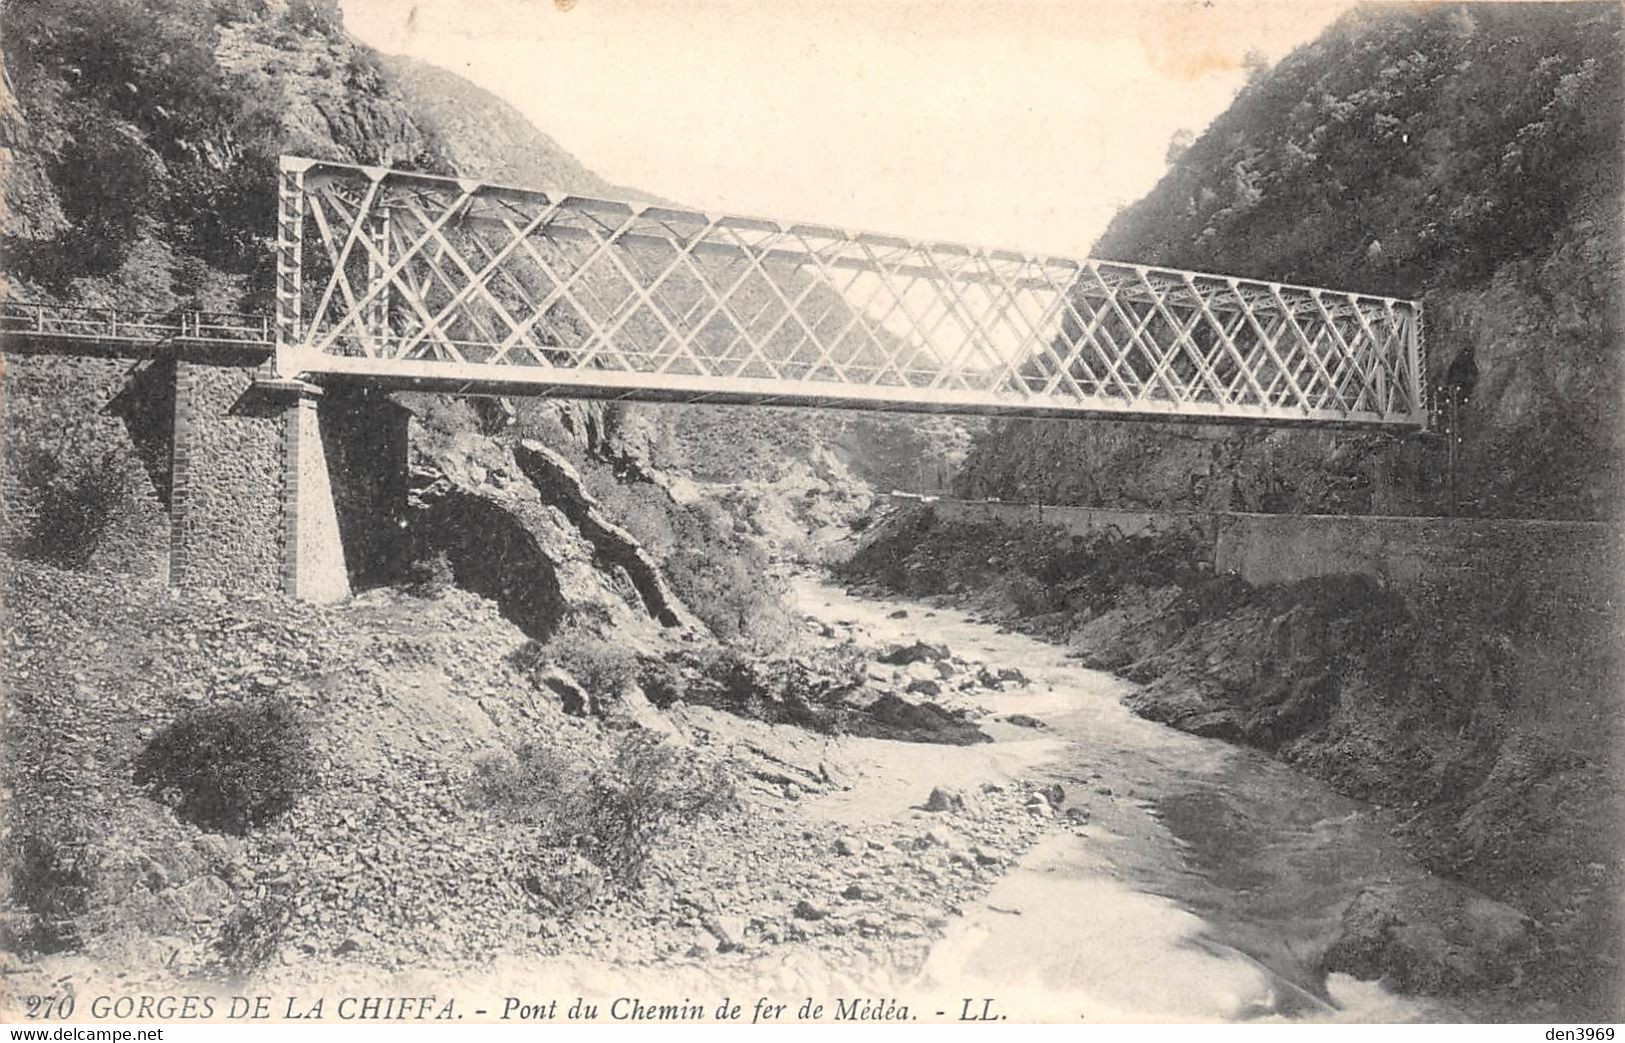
x=403, y=278
x=70, y=329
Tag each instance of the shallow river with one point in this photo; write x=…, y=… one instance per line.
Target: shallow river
x=1209, y=878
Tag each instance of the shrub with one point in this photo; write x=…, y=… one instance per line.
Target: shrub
x=251, y=936
x=1029, y=596
x=524, y=785
x=230, y=767
x=602, y=667
x=315, y=17
x=734, y=594
x=648, y=792
x=615, y=813
x=75, y=496
x=53, y=871
x=430, y=577
x=662, y=681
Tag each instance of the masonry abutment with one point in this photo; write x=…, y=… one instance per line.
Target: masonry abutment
x=281, y=486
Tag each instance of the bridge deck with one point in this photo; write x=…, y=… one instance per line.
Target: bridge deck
x=477, y=379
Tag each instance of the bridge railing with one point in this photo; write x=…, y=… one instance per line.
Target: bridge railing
x=72, y=323
x=401, y=277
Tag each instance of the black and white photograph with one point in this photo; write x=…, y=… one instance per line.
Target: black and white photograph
x=558, y=513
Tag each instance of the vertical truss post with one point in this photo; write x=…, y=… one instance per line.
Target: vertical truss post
x=377, y=321
x=290, y=243
x=1416, y=349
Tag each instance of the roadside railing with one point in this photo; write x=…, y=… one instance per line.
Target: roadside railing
x=71, y=322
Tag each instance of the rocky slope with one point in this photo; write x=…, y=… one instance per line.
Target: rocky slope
x=141, y=141
x=1467, y=155
x=485, y=137
x=392, y=855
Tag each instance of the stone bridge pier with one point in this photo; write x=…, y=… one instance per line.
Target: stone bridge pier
x=230, y=480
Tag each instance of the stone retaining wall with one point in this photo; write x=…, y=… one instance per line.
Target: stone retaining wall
x=1082, y=521
x=111, y=417
x=1554, y=559
x=218, y=481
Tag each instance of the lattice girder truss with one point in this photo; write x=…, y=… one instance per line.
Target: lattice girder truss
x=413, y=280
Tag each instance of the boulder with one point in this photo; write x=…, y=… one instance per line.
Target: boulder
x=1433, y=937
x=902, y=655
x=572, y=697
x=945, y=799
x=920, y=672
x=922, y=686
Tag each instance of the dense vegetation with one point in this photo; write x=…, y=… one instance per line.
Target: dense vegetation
x=1468, y=155
x=148, y=161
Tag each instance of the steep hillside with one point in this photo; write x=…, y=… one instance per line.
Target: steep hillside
x=143, y=140
x=1468, y=155
x=484, y=136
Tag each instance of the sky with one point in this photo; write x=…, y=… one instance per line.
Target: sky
x=1016, y=123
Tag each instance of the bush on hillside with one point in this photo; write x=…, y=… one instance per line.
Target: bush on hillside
x=251, y=936
x=603, y=667
x=73, y=496
x=431, y=576
x=734, y=595
x=615, y=813
x=53, y=870
x=230, y=767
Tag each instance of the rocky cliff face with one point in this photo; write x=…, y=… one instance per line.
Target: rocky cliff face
x=1465, y=155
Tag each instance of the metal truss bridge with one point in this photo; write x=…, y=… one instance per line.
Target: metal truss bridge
x=412, y=281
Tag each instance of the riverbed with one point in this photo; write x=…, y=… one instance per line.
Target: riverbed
x=1207, y=883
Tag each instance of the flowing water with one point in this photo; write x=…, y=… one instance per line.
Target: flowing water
x=1207, y=882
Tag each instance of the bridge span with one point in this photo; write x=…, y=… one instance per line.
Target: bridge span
x=398, y=279
x=405, y=279
x=278, y=459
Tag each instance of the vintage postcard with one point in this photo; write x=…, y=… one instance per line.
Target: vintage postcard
x=566, y=512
